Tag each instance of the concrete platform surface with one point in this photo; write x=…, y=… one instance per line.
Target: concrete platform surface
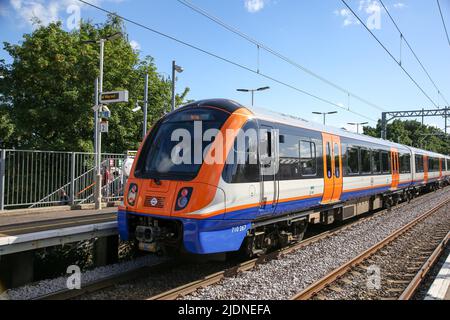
x=29, y=222
x=440, y=289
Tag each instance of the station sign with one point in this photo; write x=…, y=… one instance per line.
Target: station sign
x=114, y=97
x=132, y=153
x=105, y=113
x=104, y=126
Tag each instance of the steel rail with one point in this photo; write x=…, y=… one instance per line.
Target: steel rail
x=425, y=269
x=189, y=288
x=66, y=294
x=107, y=282
x=208, y=280
x=334, y=275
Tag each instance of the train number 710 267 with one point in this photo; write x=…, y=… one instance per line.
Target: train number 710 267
x=239, y=229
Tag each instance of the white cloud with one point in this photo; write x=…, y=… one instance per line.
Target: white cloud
x=348, y=16
x=46, y=11
x=371, y=8
x=253, y=6
x=135, y=45
x=399, y=5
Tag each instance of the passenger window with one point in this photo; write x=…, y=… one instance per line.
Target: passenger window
x=329, y=173
x=376, y=160
x=419, y=163
x=308, y=160
x=405, y=163
x=289, y=168
x=337, y=169
x=365, y=161
x=353, y=161
x=385, y=162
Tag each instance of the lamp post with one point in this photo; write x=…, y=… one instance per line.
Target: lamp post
x=253, y=92
x=325, y=115
x=98, y=135
x=175, y=69
x=357, y=124
x=144, y=130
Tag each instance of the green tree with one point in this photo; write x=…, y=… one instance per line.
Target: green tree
x=413, y=133
x=49, y=89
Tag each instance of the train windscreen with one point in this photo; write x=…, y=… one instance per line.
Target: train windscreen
x=174, y=151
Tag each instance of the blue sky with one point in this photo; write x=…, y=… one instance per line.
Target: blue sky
x=320, y=35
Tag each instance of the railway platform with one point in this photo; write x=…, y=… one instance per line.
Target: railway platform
x=23, y=231
x=19, y=222
x=440, y=289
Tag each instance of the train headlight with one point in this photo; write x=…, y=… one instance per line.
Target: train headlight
x=183, y=198
x=132, y=194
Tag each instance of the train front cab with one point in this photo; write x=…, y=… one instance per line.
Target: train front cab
x=180, y=206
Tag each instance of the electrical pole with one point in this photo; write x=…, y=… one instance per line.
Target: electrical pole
x=98, y=111
x=175, y=69
x=144, y=131
x=252, y=91
x=98, y=154
x=358, y=124
x=96, y=93
x=173, y=85
x=325, y=115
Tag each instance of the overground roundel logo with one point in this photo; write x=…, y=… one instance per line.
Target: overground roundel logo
x=154, y=202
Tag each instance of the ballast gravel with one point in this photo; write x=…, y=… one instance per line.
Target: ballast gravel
x=283, y=278
x=46, y=287
x=278, y=279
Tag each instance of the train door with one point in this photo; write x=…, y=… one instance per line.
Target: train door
x=395, y=165
x=332, y=166
x=268, y=155
x=425, y=169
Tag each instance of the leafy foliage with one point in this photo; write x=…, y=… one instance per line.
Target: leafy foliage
x=47, y=93
x=412, y=133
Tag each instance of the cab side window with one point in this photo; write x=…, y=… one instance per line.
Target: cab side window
x=242, y=164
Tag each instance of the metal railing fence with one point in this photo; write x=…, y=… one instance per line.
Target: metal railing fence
x=30, y=179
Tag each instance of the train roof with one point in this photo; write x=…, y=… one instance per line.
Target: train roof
x=287, y=119
x=272, y=116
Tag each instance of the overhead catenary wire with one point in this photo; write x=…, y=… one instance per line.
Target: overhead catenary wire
x=443, y=21
x=389, y=53
x=275, y=53
x=236, y=64
x=402, y=35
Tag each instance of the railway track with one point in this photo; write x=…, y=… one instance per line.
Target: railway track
x=108, y=282
x=111, y=281
x=394, y=268
x=212, y=279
